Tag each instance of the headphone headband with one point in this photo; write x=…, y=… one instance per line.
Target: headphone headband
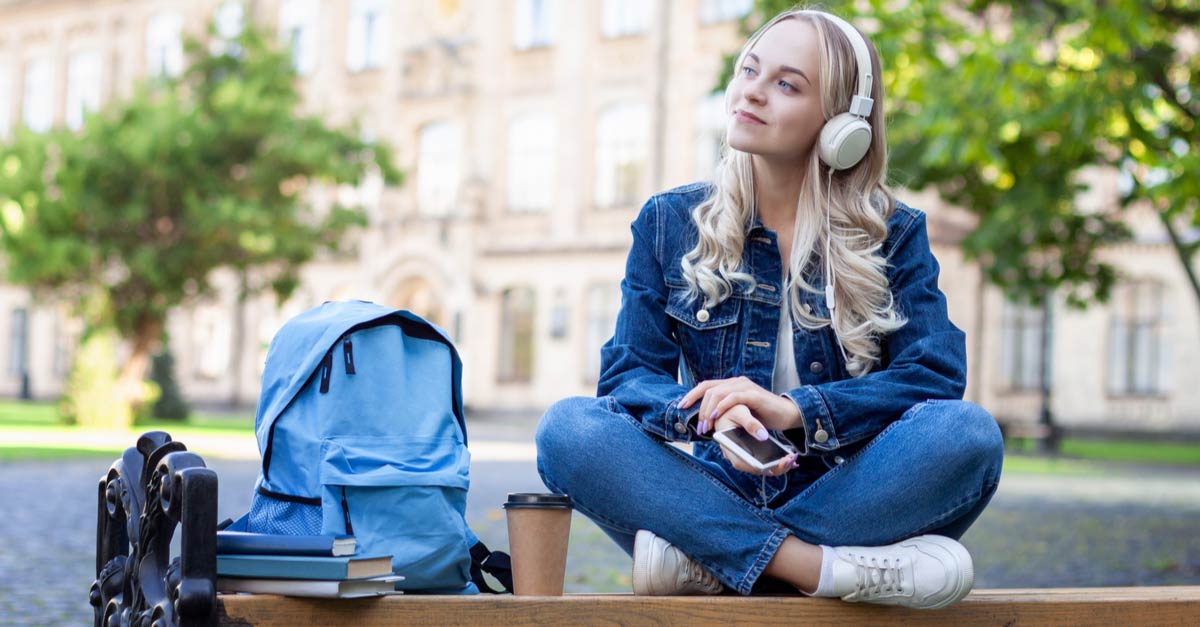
x=862, y=103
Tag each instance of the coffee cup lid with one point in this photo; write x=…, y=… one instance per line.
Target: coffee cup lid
x=530, y=500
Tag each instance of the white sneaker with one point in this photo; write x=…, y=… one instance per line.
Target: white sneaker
x=661, y=569
x=925, y=572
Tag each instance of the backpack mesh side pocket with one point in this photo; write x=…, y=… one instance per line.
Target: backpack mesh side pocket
x=268, y=515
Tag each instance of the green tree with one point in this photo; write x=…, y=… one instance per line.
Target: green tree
x=1003, y=106
x=129, y=216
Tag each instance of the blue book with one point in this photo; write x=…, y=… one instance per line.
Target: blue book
x=334, y=588
x=303, y=566
x=242, y=542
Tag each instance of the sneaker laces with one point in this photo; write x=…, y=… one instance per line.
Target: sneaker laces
x=695, y=573
x=877, y=576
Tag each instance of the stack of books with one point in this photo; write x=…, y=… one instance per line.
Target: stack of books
x=305, y=566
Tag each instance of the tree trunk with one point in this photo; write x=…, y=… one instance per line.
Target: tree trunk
x=1185, y=252
x=131, y=380
x=239, y=340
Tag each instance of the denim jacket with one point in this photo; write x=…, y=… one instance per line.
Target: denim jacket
x=664, y=342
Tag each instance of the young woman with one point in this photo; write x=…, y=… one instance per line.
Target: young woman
x=796, y=296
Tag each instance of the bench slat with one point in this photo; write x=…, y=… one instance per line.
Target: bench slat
x=1173, y=605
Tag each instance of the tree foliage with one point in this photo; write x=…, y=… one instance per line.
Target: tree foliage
x=1005, y=106
x=204, y=171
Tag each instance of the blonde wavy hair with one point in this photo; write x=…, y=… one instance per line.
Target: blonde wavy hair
x=859, y=204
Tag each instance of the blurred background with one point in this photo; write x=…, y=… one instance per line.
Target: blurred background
x=528, y=133
x=177, y=179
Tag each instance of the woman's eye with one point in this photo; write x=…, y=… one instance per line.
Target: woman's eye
x=786, y=86
x=747, y=70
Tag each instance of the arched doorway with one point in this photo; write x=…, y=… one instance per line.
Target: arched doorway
x=418, y=295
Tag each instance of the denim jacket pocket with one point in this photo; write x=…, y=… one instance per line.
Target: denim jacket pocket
x=706, y=335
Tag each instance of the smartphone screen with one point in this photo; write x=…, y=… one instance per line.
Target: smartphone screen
x=764, y=451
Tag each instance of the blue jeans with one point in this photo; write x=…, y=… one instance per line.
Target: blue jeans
x=932, y=471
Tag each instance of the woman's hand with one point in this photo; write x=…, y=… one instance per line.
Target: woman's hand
x=765, y=410
x=738, y=416
x=726, y=403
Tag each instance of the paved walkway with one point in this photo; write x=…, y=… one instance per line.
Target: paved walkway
x=1126, y=526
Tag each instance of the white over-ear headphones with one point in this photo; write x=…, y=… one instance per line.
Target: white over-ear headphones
x=846, y=137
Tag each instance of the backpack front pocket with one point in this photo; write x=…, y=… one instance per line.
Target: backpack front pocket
x=404, y=497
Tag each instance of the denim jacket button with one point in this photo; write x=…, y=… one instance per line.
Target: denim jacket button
x=839, y=460
x=821, y=436
x=702, y=315
x=816, y=367
x=680, y=427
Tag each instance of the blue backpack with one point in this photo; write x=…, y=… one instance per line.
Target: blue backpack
x=360, y=426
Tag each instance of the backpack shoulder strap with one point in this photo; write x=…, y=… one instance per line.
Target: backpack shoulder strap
x=495, y=563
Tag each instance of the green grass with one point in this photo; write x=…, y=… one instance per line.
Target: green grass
x=1125, y=451
x=1025, y=464
x=1076, y=451
x=21, y=415
x=8, y=454
x=43, y=417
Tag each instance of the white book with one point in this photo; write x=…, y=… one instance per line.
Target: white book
x=327, y=588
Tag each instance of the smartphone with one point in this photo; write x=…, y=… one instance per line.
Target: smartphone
x=759, y=454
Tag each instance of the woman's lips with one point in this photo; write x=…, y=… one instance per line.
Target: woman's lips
x=747, y=118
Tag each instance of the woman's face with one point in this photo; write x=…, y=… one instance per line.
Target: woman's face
x=774, y=100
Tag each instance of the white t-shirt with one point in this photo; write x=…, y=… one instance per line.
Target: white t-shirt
x=786, y=376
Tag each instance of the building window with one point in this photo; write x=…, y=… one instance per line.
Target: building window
x=710, y=134
x=623, y=18
x=603, y=303
x=713, y=11
x=1139, y=360
x=1021, y=347
x=38, y=105
x=164, y=47
x=211, y=337
x=516, y=335
x=439, y=167
x=531, y=168
x=364, y=39
x=18, y=342
x=534, y=23
x=6, y=94
x=83, y=87
x=621, y=146
x=228, y=22
x=297, y=21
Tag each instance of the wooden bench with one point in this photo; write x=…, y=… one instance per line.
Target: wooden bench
x=1173, y=605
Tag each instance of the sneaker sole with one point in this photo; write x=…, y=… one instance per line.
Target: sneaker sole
x=965, y=564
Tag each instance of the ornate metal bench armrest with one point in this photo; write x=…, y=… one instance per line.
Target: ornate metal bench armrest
x=153, y=487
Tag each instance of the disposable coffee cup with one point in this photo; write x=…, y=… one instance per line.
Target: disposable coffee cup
x=539, y=526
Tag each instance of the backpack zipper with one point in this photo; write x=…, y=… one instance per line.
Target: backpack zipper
x=346, y=513
x=326, y=367
x=348, y=355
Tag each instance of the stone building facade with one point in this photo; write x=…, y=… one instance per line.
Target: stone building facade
x=531, y=131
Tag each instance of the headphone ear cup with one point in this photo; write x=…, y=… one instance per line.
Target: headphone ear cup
x=844, y=141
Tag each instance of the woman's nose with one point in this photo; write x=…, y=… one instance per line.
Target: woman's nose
x=754, y=92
